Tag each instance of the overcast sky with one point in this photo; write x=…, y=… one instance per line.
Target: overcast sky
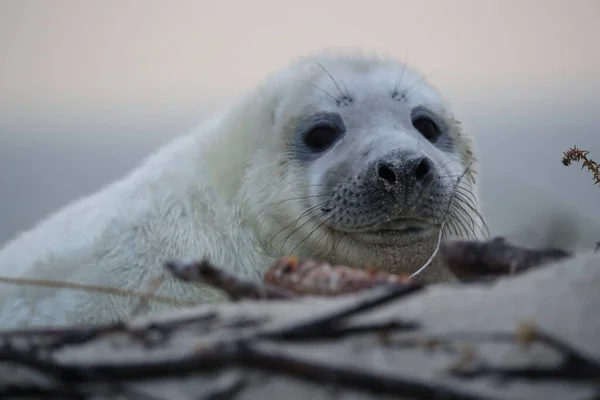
x=89, y=87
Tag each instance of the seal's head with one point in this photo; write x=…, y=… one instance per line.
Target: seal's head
x=359, y=165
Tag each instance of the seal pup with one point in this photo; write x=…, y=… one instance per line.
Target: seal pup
x=345, y=157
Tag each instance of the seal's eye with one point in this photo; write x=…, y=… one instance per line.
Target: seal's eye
x=427, y=128
x=321, y=137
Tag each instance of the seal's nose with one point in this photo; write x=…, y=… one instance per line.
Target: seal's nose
x=405, y=171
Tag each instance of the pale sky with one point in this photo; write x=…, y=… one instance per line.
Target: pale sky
x=89, y=87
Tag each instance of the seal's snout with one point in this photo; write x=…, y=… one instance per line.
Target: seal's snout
x=406, y=172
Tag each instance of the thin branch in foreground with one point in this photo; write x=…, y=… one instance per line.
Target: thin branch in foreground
x=318, y=325
x=574, y=367
x=567, y=370
x=94, y=288
x=343, y=331
x=474, y=259
x=236, y=289
x=152, y=287
x=52, y=338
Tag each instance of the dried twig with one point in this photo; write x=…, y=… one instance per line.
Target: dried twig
x=443, y=224
x=575, y=366
x=203, y=271
x=152, y=287
x=317, y=325
x=52, y=338
x=93, y=288
x=578, y=155
x=473, y=259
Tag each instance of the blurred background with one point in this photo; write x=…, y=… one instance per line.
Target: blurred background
x=88, y=88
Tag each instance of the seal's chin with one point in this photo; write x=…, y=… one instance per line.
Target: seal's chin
x=401, y=229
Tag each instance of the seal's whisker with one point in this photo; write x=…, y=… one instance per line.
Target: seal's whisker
x=473, y=213
x=396, y=90
x=332, y=97
x=464, y=201
x=299, y=227
x=408, y=92
x=468, y=194
x=325, y=220
x=304, y=197
x=305, y=213
x=344, y=95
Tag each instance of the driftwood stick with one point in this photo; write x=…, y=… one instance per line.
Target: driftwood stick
x=51, y=339
x=236, y=289
x=575, y=365
x=473, y=259
x=323, y=323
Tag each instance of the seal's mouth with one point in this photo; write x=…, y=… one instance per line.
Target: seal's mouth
x=401, y=226
x=397, y=231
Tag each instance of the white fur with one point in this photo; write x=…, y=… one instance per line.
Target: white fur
x=218, y=191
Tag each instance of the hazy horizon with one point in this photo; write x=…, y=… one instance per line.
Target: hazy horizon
x=89, y=88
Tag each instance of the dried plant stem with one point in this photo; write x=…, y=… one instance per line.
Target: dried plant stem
x=93, y=288
x=579, y=155
x=152, y=287
x=236, y=289
x=434, y=254
x=442, y=225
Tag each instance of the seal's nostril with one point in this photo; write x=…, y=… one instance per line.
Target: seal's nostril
x=385, y=173
x=424, y=167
